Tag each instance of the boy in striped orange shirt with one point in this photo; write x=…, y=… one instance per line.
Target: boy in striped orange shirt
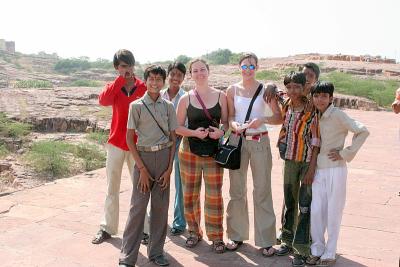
x=300, y=135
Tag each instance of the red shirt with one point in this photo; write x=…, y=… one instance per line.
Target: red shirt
x=113, y=95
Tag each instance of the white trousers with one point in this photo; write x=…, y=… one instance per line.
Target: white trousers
x=328, y=200
x=114, y=163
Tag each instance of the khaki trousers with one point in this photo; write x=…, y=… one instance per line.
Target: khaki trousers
x=258, y=153
x=114, y=163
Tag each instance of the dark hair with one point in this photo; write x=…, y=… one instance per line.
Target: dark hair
x=323, y=87
x=156, y=70
x=123, y=55
x=177, y=65
x=295, y=77
x=248, y=55
x=314, y=67
x=198, y=60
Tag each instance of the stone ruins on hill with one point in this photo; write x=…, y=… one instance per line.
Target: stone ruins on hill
x=8, y=46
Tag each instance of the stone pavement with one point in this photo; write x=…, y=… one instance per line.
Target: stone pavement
x=52, y=225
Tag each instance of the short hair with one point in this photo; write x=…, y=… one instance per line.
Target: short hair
x=198, y=60
x=322, y=87
x=314, y=67
x=248, y=55
x=156, y=70
x=123, y=55
x=295, y=77
x=177, y=65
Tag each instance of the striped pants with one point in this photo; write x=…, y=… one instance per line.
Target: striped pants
x=193, y=168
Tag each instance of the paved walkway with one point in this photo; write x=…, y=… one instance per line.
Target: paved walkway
x=52, y=225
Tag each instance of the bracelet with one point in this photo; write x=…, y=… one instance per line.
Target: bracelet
x=141, y=167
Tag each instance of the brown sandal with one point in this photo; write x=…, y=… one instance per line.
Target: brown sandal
x=268, y=251
x=218, y=246
x=192, y=240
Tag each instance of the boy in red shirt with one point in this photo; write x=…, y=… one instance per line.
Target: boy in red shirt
x=119, y=94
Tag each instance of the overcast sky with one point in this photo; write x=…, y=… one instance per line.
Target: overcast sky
x=163, y=29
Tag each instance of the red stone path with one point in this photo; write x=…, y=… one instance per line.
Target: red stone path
x=52, y=225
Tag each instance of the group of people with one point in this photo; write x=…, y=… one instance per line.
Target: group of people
x=154, y=129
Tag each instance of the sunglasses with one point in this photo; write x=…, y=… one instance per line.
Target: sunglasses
x=250, y=67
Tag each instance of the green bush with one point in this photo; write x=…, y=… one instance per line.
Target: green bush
x=268, y=75
x=10, y=128
x=183, y=59
x=3, y=151
x=85, y=83
x=102, y=63
x=93, y=158
x=50, y=158
x=60, y=159
x=380, y=91
x=33, y=84
x=72, y=65
x=99, y=137
x=218, y=57
x=234, y=58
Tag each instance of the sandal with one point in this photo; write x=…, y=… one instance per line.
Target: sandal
x=192, y=240
x=268, y=251
x=218, y=246
x=233, y=245
x=175, y=231
x=312, y=260
x=326, y=262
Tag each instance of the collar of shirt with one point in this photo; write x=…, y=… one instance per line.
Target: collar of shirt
x=147, y=99
x=328, y=111
x=164, y=93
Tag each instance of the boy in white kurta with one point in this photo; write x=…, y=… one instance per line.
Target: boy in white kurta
x=329, y=185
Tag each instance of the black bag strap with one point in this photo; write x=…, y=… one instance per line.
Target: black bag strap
x=252, y=101
x=213, y=121
x=202, y=105
x=154, y=119
x=249, y=111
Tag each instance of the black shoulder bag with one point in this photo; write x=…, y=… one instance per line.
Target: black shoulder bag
x=228, y=156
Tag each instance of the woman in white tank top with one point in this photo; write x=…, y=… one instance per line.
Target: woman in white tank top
x=256, y=151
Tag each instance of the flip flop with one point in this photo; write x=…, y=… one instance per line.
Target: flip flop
x=233, y=245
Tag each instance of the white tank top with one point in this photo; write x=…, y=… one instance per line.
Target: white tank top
x=260, y=109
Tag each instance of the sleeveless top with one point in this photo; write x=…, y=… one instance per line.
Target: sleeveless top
x=197, y=118
x=260, y=109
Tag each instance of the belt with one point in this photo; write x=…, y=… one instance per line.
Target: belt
x=154, y=148
x=256, y=137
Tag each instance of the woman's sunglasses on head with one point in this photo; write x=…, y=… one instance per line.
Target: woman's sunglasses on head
x=250, y=67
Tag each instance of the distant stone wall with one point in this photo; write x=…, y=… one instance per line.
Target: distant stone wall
x=366, y=58
x=8, y=46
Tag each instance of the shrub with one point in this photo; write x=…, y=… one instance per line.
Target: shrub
x=10, y=128
x=380, y=91
x=72, y=65
x=3, y=151
x=60, y=159
x=93, y=158
x=234, y=58
x=85, y=83
x=33, y=84
x=102, y=63
x=218, y=57
x=50, y=158
x=99, y=137
x=268, y=75
x=183, y=59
